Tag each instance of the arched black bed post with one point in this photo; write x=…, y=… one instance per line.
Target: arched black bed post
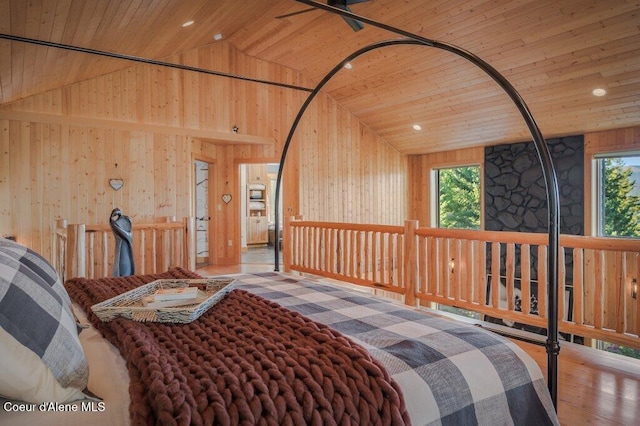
x=552, y=345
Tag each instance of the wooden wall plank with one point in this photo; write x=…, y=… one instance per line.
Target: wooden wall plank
x=60, y=148
x=5, y=179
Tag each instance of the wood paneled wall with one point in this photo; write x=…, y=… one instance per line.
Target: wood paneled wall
x=347, y=172
x=59, y=167
x=51, y=172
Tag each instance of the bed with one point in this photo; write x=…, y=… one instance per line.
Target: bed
x=410, y=366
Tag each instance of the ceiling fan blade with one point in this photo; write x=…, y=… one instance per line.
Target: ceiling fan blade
x=353, y=23
x=295, y=13
x=341, y=4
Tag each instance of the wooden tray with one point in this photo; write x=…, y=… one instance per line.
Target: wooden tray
x=129, y=305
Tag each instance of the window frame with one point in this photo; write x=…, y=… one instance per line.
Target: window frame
x=434, y=202
x=597, y=189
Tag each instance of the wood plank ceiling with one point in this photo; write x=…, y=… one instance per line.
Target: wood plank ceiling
x=555, y=52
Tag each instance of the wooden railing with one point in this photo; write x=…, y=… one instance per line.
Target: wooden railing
x=598, y=294
x=81, y=250
x=369, y=255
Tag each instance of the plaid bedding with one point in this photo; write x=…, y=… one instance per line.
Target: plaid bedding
x=450, y=373
x=36, y=310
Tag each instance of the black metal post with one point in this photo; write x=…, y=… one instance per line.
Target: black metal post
x=147, y=61
x=552, y=345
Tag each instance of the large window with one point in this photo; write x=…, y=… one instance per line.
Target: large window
x=459, y=197
x=619, y=196
x=458, y=206
x=619, y=210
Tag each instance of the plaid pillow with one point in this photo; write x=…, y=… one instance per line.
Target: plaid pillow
x=35, y=310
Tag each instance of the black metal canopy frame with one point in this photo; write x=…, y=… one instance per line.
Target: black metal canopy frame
x=552, y=345
x=146, y=61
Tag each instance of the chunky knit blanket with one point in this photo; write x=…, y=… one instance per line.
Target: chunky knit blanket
x=245, y=361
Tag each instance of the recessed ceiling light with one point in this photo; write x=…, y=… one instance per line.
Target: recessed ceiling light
x=188, y=23
x=217, y=37
x=599, y=92
x=348, y=65
x=417, y=127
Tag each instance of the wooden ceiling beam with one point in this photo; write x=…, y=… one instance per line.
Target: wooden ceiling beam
x=210, y=136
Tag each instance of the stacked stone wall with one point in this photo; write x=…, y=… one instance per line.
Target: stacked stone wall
x=515, y=194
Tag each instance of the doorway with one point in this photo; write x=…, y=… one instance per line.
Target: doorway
x=203, y=173
x=258, y=186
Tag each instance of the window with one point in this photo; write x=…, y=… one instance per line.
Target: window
x=458, y=206
x=618, y=211
x=458, y=197
x=618, y=196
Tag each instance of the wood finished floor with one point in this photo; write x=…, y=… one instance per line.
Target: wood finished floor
x=594, y=387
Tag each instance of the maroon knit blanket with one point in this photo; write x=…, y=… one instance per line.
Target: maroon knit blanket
x=245, y=361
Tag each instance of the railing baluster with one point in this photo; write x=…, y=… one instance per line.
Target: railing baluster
x=91, y=252
x=105, y=254
x=598, y=294
x=525, y=281
x=143, y=254
x=542, y=281
x=468, y=268
x=562, y=285
x=618, y=272
x=510, y=276
x=423, y=254
x=578, y=286
x=495, y=275
x=154, y=251
x=382, y=257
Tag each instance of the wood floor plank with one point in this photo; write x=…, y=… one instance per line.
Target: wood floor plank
x=594, y=387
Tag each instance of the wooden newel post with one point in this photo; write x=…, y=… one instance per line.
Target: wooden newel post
x=58, y=245
x=410, y=261
x=76, y=245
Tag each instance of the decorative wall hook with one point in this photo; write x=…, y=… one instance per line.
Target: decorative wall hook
x=116, y=182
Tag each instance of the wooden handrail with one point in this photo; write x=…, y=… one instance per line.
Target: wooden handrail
x=138, y=226
x=81, y=250
x=455, y=267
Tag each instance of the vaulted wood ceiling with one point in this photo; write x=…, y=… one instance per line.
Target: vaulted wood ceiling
x=554, y=53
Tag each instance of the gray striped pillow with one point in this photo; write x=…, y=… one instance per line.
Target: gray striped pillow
x=35, y=310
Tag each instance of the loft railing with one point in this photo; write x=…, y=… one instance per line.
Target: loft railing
x=81, y=250
x=598, y=289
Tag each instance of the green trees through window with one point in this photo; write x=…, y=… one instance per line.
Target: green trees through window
x=620, y=194
x=459, y=197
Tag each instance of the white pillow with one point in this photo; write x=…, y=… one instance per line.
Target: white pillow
x=39, y=341
x=24, y=377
